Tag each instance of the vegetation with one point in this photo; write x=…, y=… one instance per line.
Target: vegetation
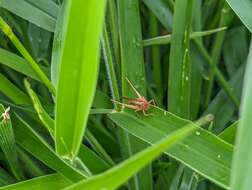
x=77, y=79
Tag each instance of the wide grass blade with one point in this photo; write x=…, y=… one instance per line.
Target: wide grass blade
x=242, y=165
x=79, y=66
x=52, y=181
x=132, y=59
x=203, y=152
x=179, y=66
x=116, y=176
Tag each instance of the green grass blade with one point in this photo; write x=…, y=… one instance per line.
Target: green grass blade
x=52, y=181
x=18, y=64
x=162, y=11
x=203, y=152
x=132, y=67
x=80, y=67
x=34, y=144
x=229, y=134
x=166, y=39
x=33, y=11
x=8, y=145
x=122, y=172
x=13, y=38
x=241, y=171
x=225, y=19
x=243, y=10
x=42, y=114
x=179, y=89
x=13, y=92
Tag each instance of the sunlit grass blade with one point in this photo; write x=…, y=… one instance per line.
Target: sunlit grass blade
x=33, y=11
x=122, y=172
x=8, y=144
x=52, y=181
x=241, y=171
x=79, y=66
x=203, y=152
x=179, y=89
x=13, y=38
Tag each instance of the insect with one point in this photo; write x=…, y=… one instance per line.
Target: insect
x=137, y=104
x=6, y=115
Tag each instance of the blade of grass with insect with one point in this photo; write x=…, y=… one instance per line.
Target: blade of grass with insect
x=221, y=79
x=28, y=10
x=243, y=9
x=80, y=66
x=132, y=59
x=51, y=181
x=7, y=143
x=16, y=42
x=119, y=174
x=179, y=88
x=203, y=152
x=241, y=168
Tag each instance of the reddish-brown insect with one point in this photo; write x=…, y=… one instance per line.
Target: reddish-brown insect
x=137, y=104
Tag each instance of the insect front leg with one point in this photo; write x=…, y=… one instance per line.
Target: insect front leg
x=152, y=102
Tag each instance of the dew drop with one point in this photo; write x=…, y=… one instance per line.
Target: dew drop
x=219, y=156
x=197, y=133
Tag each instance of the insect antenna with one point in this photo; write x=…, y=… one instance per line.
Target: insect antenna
x=134, y=89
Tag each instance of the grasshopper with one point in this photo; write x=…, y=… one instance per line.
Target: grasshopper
x=138, y=104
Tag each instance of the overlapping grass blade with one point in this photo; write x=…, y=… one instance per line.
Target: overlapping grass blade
x=32, y=142
x=80, y=67
x=18, y=64
x=119, y=174
x=241, y=171
x=42, y=13
x=16, y=42
x=52, y=181
x=132, y=59
x=166, y=39
x=179, y=65
x=243, y=9
x=13, y=92
x=203, y=152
